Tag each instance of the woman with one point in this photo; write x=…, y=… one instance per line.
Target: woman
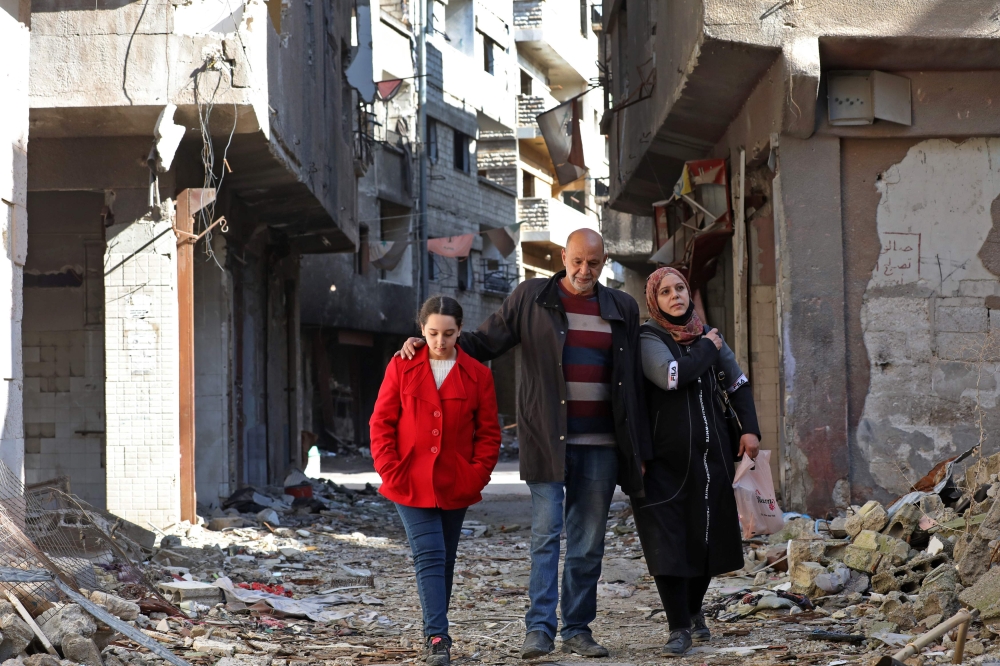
x=435, y=440
x=687, y=521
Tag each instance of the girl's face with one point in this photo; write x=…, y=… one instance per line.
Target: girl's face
x=441, y=333
x=672, y=296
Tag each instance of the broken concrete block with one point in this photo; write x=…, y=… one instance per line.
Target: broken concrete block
x=220, y=523
x=908, y=577
x=838, y=527
x=215, y=648
x=70, y=619
x=804, y=576
x=862, y=559
x=984, y=595
x=81, y=650
x=904, y=522
x=944, y=578
x=269, y=516
x=896, y=550
x=897, y=609
x=120, y=608
x=290, y=553
x=191, y=590
x=803, y=550
x=16, y=635
x=872, y=516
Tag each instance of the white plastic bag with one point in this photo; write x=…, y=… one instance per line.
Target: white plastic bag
x=756, y=500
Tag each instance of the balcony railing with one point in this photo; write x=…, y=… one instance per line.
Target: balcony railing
x=497, y=276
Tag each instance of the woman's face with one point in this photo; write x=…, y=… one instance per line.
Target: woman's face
x=672, y=296
x=441, y=333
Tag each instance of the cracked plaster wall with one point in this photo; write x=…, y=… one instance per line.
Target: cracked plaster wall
x=925, y=315
x=13, y=223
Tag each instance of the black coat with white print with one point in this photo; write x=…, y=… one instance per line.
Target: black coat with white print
x=687, y=522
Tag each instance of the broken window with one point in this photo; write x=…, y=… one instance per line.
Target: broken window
x=432, y=142
x=488, y=62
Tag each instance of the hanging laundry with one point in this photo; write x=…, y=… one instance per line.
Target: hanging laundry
x=452, y=246
x=385, y=255
x=387, y=89
x=503, y=239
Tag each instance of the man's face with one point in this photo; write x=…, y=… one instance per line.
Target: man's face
x=584, y=262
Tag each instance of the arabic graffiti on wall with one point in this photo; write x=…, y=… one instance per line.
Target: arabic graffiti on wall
x=899, y=259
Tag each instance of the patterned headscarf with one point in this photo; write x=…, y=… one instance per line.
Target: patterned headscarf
x=685, y=329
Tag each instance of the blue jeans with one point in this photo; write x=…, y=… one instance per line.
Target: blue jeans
x=433, y=536
x=591, y=472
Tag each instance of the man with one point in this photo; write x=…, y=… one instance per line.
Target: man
x=582, y=427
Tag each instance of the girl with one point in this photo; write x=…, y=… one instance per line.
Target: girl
x=435, y=440
x=687, y=521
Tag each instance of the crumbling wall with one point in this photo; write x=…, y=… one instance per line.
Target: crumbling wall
x=929, y=330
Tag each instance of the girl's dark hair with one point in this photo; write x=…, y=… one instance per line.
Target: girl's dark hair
x=441, y=305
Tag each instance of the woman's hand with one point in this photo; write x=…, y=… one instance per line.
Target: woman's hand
x=750, y=445
x=410, y=348
x=713, y=335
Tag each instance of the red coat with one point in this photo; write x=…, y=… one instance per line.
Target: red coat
x=435, y=447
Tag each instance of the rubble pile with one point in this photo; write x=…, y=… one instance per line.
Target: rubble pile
x=875, y=578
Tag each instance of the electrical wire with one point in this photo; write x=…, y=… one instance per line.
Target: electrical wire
x=205, y=108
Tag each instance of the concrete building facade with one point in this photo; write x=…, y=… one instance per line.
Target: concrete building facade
x=860, y=286
x=135, y=109
x=557, y=55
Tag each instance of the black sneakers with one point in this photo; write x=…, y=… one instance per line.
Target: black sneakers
x=679, y=643
x=438, y=651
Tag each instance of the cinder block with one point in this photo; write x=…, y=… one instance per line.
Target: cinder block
x=960, y=319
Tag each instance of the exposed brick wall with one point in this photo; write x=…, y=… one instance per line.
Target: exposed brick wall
x=141, y=364
x=528, y=107
x=528, y=13
x=533, y=213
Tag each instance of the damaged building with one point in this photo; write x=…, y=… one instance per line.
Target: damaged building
x=359, y=307
x=184, y=157
x=858, y=282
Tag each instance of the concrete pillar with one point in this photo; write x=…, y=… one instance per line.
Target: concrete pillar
x=14, y=224
x=212, y=366
x=141, y=363
x=810, y=293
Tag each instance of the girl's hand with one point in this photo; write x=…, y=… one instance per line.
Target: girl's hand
x=750, y=445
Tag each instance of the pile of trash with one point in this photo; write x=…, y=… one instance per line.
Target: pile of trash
x=880, y=575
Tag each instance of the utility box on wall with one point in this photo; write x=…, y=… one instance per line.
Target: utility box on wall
x=861, y=97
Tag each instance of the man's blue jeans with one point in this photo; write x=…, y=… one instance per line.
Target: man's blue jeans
x=591, y=472
x=433, y=536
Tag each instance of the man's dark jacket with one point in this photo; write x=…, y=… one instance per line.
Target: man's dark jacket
x=533, y=316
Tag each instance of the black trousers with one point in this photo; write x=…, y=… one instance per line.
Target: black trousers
x=682, y=598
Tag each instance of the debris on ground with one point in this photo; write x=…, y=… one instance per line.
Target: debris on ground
x=323, y=575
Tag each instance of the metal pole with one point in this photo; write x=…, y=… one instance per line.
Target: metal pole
x=425, y=20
